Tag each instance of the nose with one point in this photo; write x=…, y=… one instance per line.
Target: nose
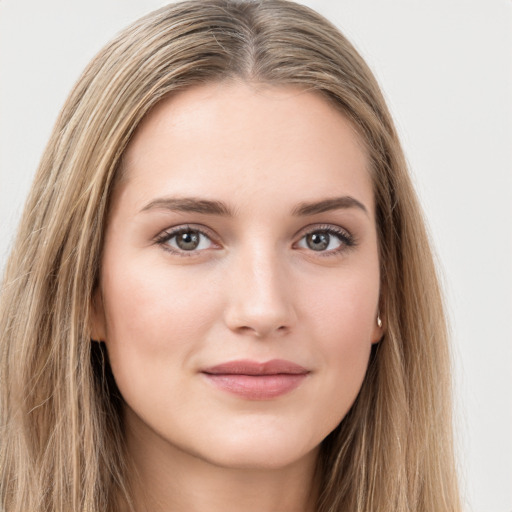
x=260, y=295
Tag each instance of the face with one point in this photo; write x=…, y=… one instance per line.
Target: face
x=240, y=275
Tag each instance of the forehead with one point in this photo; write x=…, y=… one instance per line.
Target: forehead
x=237, y=139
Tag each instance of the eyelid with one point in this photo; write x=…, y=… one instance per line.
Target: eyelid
x=347, y=239
x=168, y=233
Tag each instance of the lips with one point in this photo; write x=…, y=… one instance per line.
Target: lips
x=253, y=380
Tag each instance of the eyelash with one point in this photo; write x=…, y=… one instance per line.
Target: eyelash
x=163, y=239
x=347, y=240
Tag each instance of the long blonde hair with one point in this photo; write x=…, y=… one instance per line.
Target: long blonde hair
x=61, y=441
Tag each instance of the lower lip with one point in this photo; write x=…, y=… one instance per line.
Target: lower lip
x=257, y=387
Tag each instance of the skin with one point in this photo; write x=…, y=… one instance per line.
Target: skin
x=253, y=289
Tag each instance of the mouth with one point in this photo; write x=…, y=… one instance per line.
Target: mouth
x=253, y=380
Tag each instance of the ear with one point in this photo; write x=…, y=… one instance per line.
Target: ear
x=98, y=323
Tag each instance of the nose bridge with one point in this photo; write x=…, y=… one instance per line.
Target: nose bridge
x=260, y=301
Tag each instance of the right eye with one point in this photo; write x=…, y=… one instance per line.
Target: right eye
x=185, y=240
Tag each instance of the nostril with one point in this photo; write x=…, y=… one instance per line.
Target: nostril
x=262, y=331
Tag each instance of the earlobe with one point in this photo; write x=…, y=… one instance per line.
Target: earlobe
x=98, y=324
x=378, y=331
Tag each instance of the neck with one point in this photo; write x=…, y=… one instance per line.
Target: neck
x=167, y=479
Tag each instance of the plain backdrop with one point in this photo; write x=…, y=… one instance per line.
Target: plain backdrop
x=446, y=69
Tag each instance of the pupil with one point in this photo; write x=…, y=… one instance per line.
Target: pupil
x=318, y=241
x=188, y=241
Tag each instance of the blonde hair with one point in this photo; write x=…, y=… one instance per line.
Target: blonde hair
x=61, y=443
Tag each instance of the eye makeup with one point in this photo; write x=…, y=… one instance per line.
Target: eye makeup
x=329, y=239
x=186, y=240
x=190, y=240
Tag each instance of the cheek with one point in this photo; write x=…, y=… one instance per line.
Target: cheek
x=143, y=296
x=155, y=319
x=343, y=318
x=343, y=307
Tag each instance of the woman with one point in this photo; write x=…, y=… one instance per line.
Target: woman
x=222, y=295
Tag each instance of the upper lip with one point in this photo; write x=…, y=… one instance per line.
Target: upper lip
x=248, y=367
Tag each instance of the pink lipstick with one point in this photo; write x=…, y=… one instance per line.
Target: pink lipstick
x=256, y=381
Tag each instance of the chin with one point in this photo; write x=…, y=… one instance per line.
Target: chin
x=257, y=458
x=259, y=449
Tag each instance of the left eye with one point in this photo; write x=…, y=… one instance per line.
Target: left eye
x=187, y=240
x=323, y=240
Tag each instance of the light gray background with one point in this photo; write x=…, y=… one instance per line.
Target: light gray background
x=446, y=70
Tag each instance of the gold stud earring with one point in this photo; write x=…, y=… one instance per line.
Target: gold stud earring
x=379, y=321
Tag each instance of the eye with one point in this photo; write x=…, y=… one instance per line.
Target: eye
x=330, y=240
x=185, y=239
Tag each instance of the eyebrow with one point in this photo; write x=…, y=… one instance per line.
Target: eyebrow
x=209, y=207
x=326, y=205
x=190, y=204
